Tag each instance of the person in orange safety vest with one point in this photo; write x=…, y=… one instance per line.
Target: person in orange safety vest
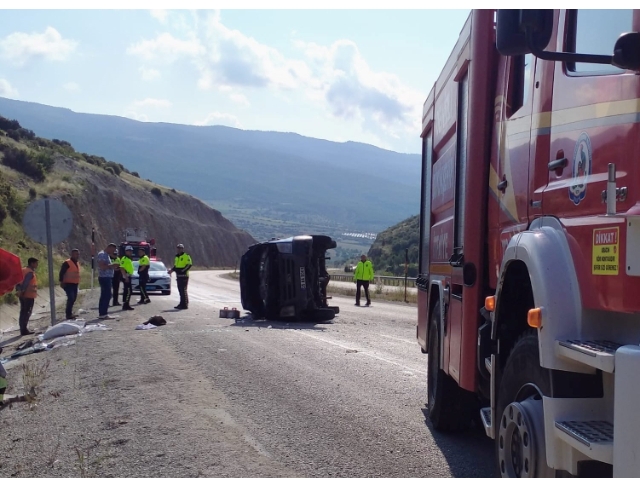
x=70, y=280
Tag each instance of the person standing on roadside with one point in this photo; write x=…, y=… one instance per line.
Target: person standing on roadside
x=181, y=265
x=105, y=278
x=143, y=272
x=126, y=267
x=70, y=280
x=27, y=293
x=362, y=276
x=117, y=277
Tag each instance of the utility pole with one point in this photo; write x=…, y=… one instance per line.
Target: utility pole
x=406, y=272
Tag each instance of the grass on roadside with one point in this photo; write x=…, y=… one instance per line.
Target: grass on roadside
x=382, y=294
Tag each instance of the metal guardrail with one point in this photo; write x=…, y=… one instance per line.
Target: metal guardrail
x=384, y=280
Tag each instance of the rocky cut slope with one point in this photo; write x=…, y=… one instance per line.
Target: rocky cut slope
x=105, y=196
x=110, y=204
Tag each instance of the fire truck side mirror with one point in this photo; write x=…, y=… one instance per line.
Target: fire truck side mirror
x=520, y=32
x=626, y=52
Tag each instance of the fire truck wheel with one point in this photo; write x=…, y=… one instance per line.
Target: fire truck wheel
x=450, y=407
x=520, y=443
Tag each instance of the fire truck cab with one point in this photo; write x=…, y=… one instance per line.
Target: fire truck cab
x=137, y=239
x=529, y=285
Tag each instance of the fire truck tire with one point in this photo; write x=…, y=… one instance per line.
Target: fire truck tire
x=450, y=407
x=520, y=440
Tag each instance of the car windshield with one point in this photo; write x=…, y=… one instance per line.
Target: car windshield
x=155, y=266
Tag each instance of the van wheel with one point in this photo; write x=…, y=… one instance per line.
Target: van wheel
x=520, y=441
x=450, y=407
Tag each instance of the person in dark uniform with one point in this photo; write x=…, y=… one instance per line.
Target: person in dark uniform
x=117, y=277
x=143, y=272
x=181, y=265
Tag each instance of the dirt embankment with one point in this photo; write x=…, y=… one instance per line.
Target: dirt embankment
x=110, y=204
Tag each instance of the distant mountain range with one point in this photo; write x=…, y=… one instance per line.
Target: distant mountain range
x=269, y=183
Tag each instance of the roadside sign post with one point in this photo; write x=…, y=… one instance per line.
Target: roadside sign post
x=93, y=252
x=52, y=294
x=48, y=222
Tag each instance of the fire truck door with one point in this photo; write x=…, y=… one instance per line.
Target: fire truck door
x=511, y=187
x=594, y=113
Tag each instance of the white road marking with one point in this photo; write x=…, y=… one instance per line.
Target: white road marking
x=399, y=339
x=368, y=354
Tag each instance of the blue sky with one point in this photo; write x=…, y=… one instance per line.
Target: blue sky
x=340, y=75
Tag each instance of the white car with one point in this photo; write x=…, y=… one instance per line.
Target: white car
x=159, y=278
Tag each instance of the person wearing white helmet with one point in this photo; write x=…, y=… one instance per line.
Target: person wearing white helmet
x=126, y=267
x=181, y=265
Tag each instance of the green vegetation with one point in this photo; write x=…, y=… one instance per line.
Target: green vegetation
x=378, y=293
x=388, y=251
x=27, y=171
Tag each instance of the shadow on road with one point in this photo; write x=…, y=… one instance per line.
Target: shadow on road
x=469, y=454
x=10, y=341
x=281, y=325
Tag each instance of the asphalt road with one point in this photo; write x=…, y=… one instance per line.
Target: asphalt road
x=344, y=399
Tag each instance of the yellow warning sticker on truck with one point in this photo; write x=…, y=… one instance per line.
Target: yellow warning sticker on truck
x=605, y=251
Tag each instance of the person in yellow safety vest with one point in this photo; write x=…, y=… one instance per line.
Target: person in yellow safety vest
x=143, y=275
x=181, y=265
x=70, y=280
x=362, y=276
x=117, y=277
x=27, y=293
x=126, y=267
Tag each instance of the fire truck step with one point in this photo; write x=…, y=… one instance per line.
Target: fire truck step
x=487, y=364
x=596, y=353
x=485, y=416
x=594, y=438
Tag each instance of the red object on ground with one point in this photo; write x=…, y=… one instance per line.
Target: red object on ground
x=10, y=271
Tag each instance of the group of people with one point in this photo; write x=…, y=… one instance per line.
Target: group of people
x=112, y=270
x=27, y=290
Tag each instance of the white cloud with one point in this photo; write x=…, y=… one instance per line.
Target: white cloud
x=166, y=48
x=160, y=15
x=20, y=48
x=6, y=90
x=152, y=103
x=336, y=77
x=140, y=117
x=71, y=86
x=240, y=99
x=353, y=90
x=217, y=118
x=148, y=74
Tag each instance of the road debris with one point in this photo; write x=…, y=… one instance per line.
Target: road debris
x=145, y=326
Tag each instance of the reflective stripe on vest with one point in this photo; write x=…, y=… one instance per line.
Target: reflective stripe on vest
x=32, y=289
x=72, y=275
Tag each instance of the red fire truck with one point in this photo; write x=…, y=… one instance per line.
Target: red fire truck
x=529, y=286
x=138, y=239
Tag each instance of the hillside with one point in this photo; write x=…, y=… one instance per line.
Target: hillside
x=387, y=252
x=106, y=196
x=268, y=183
